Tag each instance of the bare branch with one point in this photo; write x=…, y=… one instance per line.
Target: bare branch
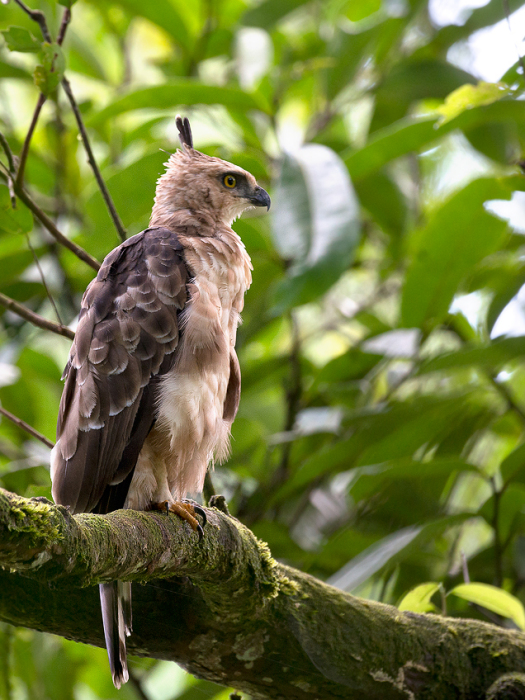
x=37, y=16
x=35, y=319
x=25, y=426
x=19, y=180
x=66, y=19
x=8, y=152
x=91, y=160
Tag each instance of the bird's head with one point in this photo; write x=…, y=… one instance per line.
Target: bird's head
x=205, y=185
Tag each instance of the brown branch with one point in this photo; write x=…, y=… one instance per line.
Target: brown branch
x=35, y=319
x=19, y=180
x=37, y=16
x=28, y=429
x=8, y=152
x=66, y=19
x=229, y=613
x=91, y=160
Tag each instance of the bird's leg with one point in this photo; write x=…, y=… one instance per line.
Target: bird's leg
x=186, y=511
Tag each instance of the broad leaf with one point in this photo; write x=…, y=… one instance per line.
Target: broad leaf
x=492, y=598
x=181, y=92
x=19, y=39
x=13, y=221
x=268, y=12
x=315, y=224
x=390, y=551
x=513, y=464
x=418, y=599
x=469, y=96
x=162, y=13
x=492, y=356
x=50, y=72
x=457, y=236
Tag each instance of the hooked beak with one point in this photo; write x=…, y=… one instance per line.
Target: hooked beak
x=260, y=198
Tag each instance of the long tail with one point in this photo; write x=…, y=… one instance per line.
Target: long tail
x=115, y=603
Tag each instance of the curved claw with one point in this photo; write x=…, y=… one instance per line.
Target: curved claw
x=202, y=513
x=200, y=532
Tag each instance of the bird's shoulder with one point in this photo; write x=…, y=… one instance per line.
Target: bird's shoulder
x=134, y=301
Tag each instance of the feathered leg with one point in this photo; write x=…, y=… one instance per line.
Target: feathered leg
x=114, y=630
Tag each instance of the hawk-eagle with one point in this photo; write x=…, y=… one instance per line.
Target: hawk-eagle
x=152, y=383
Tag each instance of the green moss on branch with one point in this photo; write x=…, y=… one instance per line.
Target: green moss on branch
x=228, y=612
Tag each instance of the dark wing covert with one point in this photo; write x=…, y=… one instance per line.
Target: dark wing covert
x=126, y=337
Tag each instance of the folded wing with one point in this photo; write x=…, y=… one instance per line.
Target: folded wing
x=126, y=339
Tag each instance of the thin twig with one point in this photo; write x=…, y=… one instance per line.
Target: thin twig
x=42, y=277
x=25, y=426
x=11, y=170
x=91, y=160
x=35, y=319
x=37, y=16
x=66, y=18
x=8, y=153
x=19, y=180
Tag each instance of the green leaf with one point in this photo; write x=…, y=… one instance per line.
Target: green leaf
x=383, y=199
x=19, y=39
x=181, y=92
x=457, y=236
x=391, y=550
x=268, y=12
x=492, y=356
x=9, y=71
x=411, y=134
x=371, y=478
x=469, y=96
x=418, y=599
x=410, y=81
x=13, y=221
x=50, y=72
x=512, y=464
x=402, y=137
x=315, y=224
x=163, y=14
x=492, y=598
x=357, y=10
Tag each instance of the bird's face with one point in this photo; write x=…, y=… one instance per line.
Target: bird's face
x=232, y=189
x=203, y=183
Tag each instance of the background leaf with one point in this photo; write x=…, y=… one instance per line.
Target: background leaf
x=494, y=599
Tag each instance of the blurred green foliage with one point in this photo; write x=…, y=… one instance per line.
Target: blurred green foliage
x=379, y=443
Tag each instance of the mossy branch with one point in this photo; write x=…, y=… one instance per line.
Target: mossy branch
x=226, y=611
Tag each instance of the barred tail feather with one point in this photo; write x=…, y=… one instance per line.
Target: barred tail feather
x=124, y=594
x=114, y=631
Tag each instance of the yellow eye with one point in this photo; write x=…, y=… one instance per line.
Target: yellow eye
x=229, y=181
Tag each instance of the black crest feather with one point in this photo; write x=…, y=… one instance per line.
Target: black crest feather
x=183, y=125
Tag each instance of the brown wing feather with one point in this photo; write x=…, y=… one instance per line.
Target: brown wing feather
x=126, y=337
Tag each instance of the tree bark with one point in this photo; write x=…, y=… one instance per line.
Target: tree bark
x=227, y=612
